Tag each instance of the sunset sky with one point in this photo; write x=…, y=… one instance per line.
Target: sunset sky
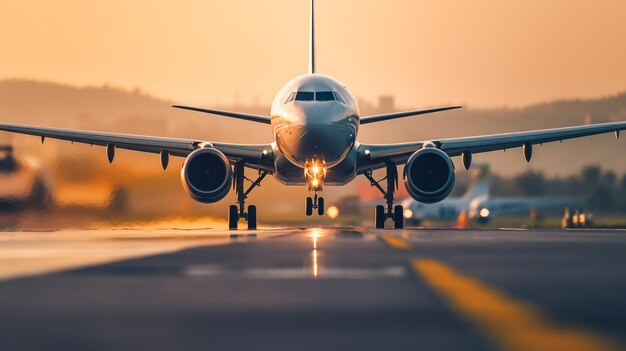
x=481, y=53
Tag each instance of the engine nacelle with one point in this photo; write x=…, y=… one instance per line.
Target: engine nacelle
x=207, y=175
x=429, y=175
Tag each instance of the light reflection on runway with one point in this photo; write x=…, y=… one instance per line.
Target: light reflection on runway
x=316, y=233
x=317, y=270
x=32, y=253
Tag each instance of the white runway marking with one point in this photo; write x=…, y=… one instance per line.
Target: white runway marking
x=33, y=253
x=389, y=272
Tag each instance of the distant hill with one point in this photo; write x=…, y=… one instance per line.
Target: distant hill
x=113, y=109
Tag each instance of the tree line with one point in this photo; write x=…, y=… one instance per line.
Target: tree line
x=604, y=190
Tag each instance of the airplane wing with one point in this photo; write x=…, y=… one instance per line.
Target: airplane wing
x=502, y=205
x=375, y=156
x=256, y=156
x=243, y=116
x=395, y=115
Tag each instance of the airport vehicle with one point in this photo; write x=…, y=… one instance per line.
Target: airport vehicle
x=315, y=122
x=478, y=204
x=23, y=187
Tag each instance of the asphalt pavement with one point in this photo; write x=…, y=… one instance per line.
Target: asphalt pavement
x=334, y=289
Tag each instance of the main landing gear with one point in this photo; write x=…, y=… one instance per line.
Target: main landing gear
x=396, y=213
x=237, y=212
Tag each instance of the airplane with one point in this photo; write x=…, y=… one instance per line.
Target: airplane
x=315, y=122
x=478, y=204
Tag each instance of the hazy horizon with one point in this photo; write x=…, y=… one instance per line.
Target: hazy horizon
x=477, y=53
x=373, y=102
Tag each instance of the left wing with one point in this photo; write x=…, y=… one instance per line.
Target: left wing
x=258, y=156
x=375, y=156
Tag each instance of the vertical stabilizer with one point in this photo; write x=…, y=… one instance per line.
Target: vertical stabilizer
x=312, y=40
x=481, y=184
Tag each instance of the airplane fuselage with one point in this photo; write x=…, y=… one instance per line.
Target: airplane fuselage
x=315, y=119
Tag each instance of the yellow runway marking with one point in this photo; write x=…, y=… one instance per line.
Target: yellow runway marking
x=395, y=242
x=511, y=324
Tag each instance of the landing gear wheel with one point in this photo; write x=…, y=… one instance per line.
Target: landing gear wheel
x=251, y=217
x=233, y=217
x=379, y=217
x=309, y=206
x=320, y=206
x=398, y=217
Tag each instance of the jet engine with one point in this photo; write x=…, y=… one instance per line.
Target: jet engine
x=429, y=175
x=206, y=175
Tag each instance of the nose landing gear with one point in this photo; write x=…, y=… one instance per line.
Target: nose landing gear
x=315, y=203
x=315, y=172
x=395, y=213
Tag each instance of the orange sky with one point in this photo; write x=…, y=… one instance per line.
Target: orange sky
x=476, y=52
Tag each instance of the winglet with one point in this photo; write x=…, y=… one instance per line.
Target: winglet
x=312, y=40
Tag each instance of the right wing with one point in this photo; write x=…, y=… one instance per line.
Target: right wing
x=256, y=156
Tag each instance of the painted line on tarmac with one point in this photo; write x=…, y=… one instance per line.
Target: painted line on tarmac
x=395, y=242
x=511, y=324
x=277, y=273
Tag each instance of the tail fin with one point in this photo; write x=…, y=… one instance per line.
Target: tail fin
x=312, y=40
x=481, y=183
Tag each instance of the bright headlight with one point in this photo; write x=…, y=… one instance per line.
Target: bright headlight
x=484, y=213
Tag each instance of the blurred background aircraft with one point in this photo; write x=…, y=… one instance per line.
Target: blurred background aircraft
x=479, y=205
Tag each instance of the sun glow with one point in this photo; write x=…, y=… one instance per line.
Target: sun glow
x=333, y=212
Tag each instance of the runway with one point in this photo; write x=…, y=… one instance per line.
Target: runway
x=322, y=289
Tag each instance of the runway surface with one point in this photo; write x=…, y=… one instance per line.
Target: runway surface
x=319, y=289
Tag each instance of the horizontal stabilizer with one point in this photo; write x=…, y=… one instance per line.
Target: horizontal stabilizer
x=388, y=116
x=244, y=116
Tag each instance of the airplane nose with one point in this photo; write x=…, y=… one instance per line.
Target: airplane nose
x=323, y=142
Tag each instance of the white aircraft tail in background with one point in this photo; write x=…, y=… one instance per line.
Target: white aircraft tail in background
x=478, y=204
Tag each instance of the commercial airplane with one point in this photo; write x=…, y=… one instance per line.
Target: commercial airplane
x=478, y=203
x=315, y=122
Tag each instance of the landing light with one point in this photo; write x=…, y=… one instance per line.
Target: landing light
x=408, y=214
x=484, y=213
x=315, y=172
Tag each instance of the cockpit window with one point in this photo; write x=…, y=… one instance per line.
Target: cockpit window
x=305, y=96
x=339, y=98
x=324, y=96
x=290, y=98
